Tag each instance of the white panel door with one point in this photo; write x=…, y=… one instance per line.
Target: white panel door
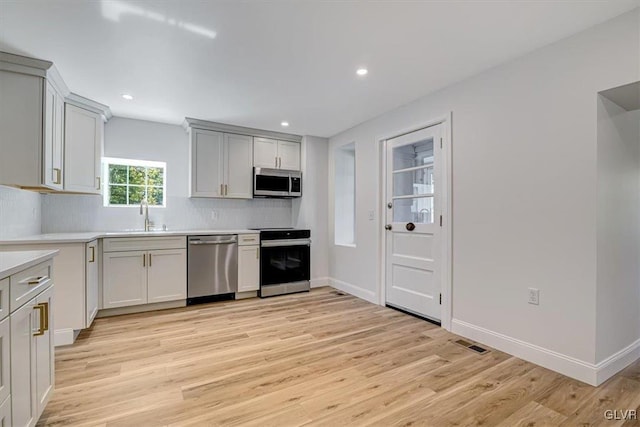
x=24, y=323
x=167, y=275
x=265, y=153
x=82, y=140
x=248, y=268
x=238, y=166
x=91, y=283
x=206, y=163
x=288, y=155
x=413, y=222
x=5, y=357
x=45, y=368
x=124, y=279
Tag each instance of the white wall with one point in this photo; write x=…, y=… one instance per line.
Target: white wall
x=19, y=212
x=524, y=211
x=144, y=140
x=309, y=211
x=618, y=289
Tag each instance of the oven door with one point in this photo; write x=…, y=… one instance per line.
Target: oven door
x=285, y=261
x=271, y=183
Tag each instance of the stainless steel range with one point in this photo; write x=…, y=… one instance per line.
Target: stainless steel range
x=285, y=261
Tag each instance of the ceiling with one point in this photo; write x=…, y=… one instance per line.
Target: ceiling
x=257, y=63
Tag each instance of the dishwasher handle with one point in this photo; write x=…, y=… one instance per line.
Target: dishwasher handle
x=203, y=242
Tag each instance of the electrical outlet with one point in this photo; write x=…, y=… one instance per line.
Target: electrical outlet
x=534, y=296
x=214, y=215
x=371, y=215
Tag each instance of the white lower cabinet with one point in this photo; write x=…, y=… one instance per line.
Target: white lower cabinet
x=5, y=357
x=32, y=361
x=124, y=279
x=5, y=412
x=135, y=277
x=166, y=275
x=92, y=281
x=248, y=268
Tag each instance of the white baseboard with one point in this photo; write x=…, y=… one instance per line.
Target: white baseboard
x=617, y=362
x=319, y=282
x=569, y=366
x=354, y=290
x=63, y=337
x=592, y=374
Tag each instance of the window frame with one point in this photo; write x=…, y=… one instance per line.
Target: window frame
x=108, y=161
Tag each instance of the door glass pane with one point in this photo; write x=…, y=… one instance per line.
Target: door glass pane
x=418, y=210
x=413, y=183
x=411, y=155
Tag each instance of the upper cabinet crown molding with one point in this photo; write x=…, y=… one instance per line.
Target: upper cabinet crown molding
x=34, y=67
x=240, y=130
x=88, y=104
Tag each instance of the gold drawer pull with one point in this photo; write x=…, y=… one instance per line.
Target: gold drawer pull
x=36, y=280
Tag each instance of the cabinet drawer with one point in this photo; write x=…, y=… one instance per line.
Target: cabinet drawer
x=248, y=239
x=29, y=283
x=120, y=244
x=4, y=298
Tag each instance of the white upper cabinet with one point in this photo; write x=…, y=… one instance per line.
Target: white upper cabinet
x=265, y=153
x=238, y=172
x=274, y=154
x=32, y=129
x=220, y=165
x=206, y=163
x=83, y=140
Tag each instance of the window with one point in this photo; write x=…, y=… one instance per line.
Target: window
x=345, y=195
x=130, y=181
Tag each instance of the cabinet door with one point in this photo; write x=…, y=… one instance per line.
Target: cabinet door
x=52, y=147
x=238, y=166
x=91, y=282
x=82, y=140
x=5, y=412
x=248, y=268
x=167, y=278
x=265, y=153
x=45, y=369
x=124, y=279
x=23, y=365
x=289, y=154
x=206, y=163
x=5, y=357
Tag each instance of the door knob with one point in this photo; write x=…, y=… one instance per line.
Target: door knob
x=387, y=227
x=389, y=205
x=410, y=226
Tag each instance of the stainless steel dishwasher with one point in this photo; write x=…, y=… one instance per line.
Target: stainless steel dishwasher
x=212, y=268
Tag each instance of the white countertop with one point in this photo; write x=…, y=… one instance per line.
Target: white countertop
x=15, y=261
x=88, y=236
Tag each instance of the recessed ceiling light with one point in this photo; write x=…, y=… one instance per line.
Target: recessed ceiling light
x=284, y=124
x=127, y=96
x=362, y=71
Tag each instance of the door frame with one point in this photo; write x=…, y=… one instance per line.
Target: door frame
x=447, y=213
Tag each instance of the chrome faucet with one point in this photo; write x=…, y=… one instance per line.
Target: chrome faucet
x=144, y=209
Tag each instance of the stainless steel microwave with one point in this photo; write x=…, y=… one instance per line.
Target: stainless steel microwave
x=276, y=183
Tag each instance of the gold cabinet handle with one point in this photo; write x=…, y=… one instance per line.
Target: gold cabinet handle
x=99, y=182
x=37, y=280
x=93, y=254
x=46, y=315
x=226, y=190
x=276, y=165
x=144, y=260
x=149, y=260
x=222, y=189
x=41, y=308
x=257, y=253
x=58, y=178
x=279, y=162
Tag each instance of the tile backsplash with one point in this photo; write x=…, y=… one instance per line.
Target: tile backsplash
x=70, y=213
x=20, y=212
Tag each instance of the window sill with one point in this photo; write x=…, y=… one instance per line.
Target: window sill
x=346, y=245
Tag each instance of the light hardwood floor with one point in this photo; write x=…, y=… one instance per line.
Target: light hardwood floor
x=320, y=358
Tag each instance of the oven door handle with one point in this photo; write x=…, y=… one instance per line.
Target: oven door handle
x=285, y=242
